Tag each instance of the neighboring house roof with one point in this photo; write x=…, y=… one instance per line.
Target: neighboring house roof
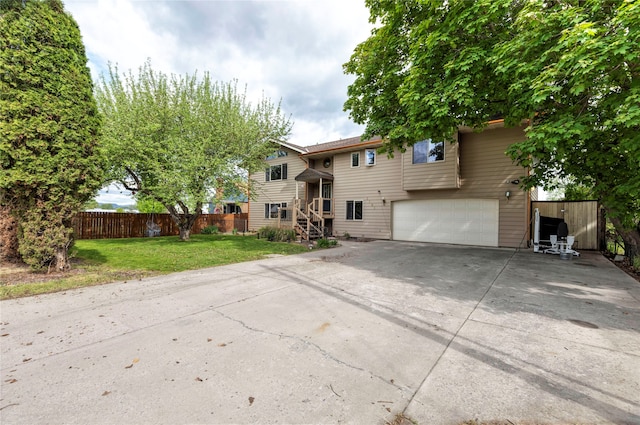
x=311, y=175
x=232, y=200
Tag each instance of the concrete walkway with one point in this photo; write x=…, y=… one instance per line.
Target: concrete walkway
x=355, y=334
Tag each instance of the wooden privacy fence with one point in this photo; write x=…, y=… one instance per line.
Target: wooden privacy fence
x=107, y=225
x=583, y=218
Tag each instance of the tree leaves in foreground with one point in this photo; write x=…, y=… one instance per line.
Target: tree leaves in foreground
x=50, y=163
x=178, y=139
x=570, y=70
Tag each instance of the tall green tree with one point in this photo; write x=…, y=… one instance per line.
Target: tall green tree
x=570, y=69
x=174, y=139
x=50, y=162
x=149, y=206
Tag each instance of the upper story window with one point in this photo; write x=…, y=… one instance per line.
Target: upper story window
x=277, y=154
x=428, y=151
x=275, y=172
x=370, y=157
x=355, y=159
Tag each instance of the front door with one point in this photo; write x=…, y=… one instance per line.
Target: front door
x=326, y=198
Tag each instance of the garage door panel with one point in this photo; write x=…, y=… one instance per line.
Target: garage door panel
x=457, y=221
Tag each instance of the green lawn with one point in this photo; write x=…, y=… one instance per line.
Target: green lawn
x=107, y=260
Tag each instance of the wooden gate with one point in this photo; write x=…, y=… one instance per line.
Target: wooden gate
x=582, y=217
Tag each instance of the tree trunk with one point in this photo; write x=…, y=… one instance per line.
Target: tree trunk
x=8, y=236
x=62, y=259
x=184, y=220
x=630, y=237
x=184, y=234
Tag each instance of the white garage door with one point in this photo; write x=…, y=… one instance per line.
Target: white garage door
x=454, y=221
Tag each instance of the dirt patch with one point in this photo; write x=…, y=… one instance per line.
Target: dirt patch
x=625, y=265
x=401, y=419
x=20, y=274
x=16, y=274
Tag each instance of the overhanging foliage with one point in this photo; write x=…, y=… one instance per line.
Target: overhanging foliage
x=569, y=69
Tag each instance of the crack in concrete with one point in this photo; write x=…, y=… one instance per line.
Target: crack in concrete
x=317, y=347
x=140, y=329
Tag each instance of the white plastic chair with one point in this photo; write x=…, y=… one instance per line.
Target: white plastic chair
x=554, y=245
x=570, y=241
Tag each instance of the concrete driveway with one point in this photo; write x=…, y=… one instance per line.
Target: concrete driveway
x=355, y=334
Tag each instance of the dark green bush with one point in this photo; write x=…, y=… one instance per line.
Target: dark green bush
x=326, y=243
x=209, y=230
x=45, y=238
x=274, y=234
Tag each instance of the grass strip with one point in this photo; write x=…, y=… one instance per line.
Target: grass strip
x=100, y=261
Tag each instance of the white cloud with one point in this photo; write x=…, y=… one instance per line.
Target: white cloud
x=114, y=194
x=289, y=50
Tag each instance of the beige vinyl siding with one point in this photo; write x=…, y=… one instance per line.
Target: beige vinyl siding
x=318, y=164
x=368, y=184
x=431, y=175
x=274, y=191
x=485, y=173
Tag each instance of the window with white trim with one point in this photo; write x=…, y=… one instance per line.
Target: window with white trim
x=275, y=172
x=355, y=159
x=354, y=210
x=370, y=157
x=271, y=210
x=428, y=151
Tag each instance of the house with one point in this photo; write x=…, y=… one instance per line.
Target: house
x=235, y=205
x=459, y=193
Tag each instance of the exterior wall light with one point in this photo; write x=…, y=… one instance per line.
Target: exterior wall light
x=507, y=194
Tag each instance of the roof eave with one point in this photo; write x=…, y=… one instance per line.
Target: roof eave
x=293, y=147
x=341, y=149
x=490, y=125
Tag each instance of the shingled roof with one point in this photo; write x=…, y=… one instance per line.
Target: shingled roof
x=311, y=175
x=340, y=144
